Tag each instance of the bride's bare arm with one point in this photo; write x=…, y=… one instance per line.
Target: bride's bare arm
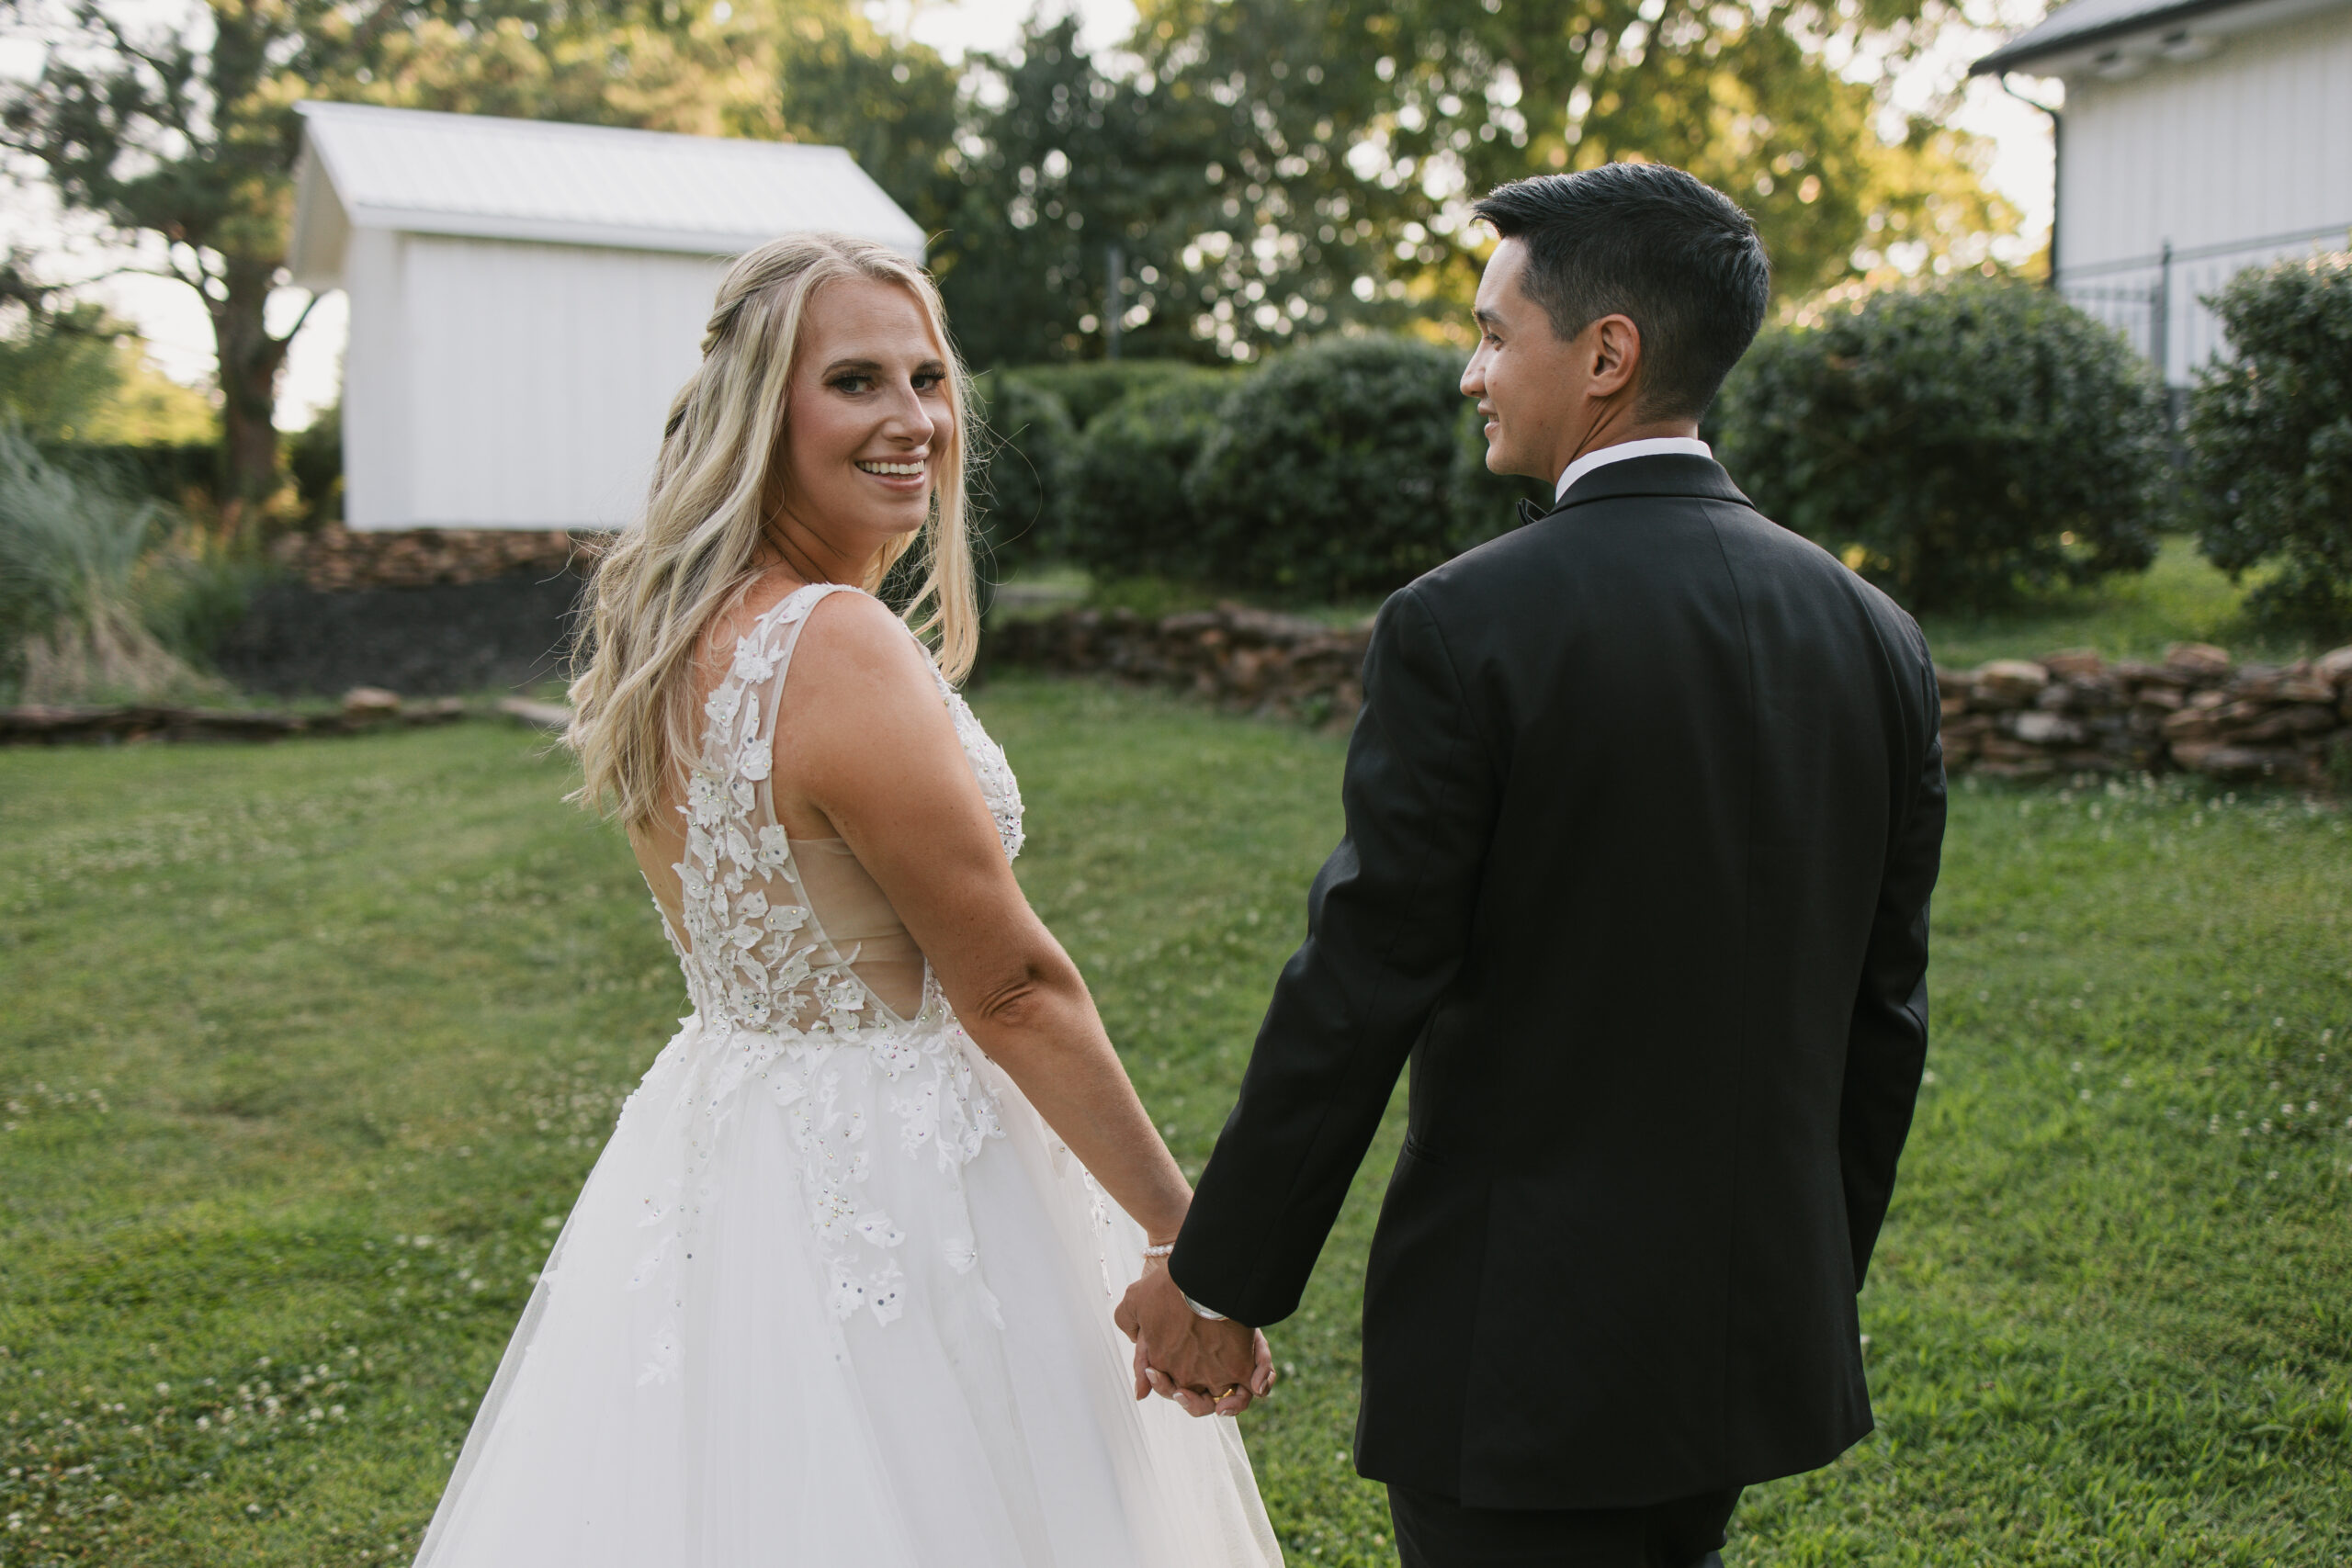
x=864, y=741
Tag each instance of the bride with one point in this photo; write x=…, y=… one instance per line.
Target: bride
x=838, y=1292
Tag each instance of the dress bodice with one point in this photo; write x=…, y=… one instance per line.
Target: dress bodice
x=792, y=937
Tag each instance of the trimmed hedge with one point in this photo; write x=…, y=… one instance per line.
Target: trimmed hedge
x=1485, y=504
x=1331, y=473
x=2270, y=439
x=1091, y=388
x=1954, y=443
x=1018, y=475
x=168, y=472
x=1125, y=511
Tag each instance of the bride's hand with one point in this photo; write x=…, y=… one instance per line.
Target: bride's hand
x=1165, y=1330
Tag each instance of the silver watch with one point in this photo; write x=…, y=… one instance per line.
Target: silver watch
x=1199, y=1311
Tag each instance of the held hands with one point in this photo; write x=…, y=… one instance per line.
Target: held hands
x=1204, y=1364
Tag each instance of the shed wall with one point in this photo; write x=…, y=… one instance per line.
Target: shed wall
x=2214, y=157
x=498, y=384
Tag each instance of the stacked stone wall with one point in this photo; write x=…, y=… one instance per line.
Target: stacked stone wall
x=334, y=558
x=2198, y=710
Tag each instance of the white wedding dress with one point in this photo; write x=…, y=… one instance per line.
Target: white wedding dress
x=835, y=1296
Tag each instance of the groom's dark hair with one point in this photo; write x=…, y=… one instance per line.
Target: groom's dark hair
x=1649, y=242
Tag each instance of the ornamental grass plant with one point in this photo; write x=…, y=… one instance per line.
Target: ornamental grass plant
x=78, y=555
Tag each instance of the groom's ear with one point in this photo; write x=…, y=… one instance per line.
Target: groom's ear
x=1610, y=353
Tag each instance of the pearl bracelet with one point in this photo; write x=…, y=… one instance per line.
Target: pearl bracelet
x=1162, y=1250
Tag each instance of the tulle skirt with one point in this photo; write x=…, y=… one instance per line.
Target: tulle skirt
x=842, y=1307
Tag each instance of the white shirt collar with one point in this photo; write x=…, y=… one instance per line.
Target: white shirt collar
x=1655, y=446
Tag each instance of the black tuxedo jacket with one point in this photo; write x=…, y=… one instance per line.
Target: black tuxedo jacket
x=1643, y=809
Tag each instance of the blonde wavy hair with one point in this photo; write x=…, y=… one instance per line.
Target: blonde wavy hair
x=657, y=589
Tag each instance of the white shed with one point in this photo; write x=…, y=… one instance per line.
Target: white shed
x=527, y=296
x=2198, y=138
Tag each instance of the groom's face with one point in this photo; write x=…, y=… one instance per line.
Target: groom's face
x=1524, y=374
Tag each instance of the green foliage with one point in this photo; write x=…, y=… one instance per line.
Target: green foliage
x=314, y=458
x=1953, y=444
x=1483, y=504
x=69, y=545
x=2270, y=439
x=307, y=1043
x=173, y=472
x=58, y=370
x=1018, y=474
x=1330, y=471
x=192, y=592
x=1090, y=387
x=1125, y=512
x=1756, y=100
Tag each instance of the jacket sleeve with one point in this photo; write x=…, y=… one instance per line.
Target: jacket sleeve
x=1886, y=1045
x=1388, y=922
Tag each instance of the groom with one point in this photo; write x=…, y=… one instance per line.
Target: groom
x=1642, y=811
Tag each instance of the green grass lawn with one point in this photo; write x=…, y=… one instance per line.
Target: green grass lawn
x=2182, y=598
x=305, y=1049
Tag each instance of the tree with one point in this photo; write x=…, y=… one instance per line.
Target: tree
x=1456, y=96
x=186, y=136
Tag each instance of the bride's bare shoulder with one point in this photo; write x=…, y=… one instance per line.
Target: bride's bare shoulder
x=854, y=642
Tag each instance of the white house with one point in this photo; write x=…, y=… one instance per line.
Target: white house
x=526, y=298
x=2198, y=138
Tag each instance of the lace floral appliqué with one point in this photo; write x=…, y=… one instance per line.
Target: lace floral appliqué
x=777, y=1002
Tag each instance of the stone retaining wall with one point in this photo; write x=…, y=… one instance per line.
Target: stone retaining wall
x=2070, y=712
x=1250, y=660
x=2073, y=712
x=334, y=558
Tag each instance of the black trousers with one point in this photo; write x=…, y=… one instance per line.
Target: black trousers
x=1439, y=1532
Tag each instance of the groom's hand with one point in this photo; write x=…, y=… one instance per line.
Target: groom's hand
x=1204, y=1364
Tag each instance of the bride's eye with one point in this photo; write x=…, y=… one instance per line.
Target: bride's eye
x=928, y=380
x=852, y=385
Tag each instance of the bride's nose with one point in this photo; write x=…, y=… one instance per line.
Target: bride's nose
x=907, y=419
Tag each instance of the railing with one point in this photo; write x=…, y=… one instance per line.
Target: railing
x=2158, y=301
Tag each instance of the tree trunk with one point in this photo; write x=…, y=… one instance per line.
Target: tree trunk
x=250, y=362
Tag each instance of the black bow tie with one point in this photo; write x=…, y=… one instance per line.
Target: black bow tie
x=1530, y=512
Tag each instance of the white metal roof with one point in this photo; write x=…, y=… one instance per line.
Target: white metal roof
x=2102, y=35
x=583, y=185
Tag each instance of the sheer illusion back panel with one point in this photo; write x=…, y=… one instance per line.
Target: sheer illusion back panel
x=849, y=916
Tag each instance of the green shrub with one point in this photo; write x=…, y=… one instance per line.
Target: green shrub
x=1483, y=504
x=1124, y=507
x=1953, y=444
x=1331, y=474
x=191, y=592
x=1091, y=388
x=314, y=459
x=173, y=472
x=2270, y=439
x=1017, y=475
